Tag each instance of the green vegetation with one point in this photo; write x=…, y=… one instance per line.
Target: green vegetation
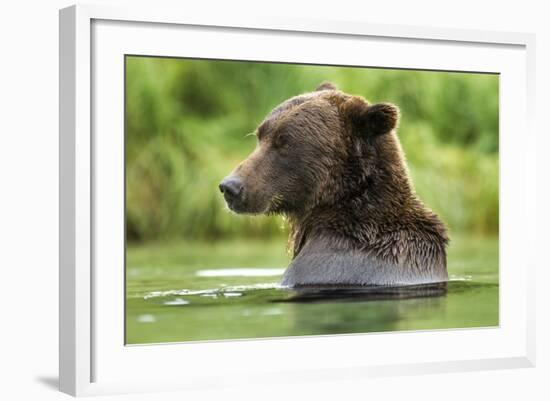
x=187, y=123
x=186, y=128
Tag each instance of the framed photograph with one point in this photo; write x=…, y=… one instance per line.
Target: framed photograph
x=274, y=200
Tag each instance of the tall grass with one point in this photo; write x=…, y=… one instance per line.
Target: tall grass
x=187, y=120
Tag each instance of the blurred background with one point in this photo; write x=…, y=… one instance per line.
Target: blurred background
x=186, y=128
x=187, y=120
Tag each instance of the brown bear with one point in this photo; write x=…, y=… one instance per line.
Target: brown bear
x=332, y=164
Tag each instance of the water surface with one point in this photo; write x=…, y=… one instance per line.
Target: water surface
x=190, y=292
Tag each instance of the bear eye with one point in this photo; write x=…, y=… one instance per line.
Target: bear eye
x=281, y=141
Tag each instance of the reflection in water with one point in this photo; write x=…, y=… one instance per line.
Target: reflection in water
x=365, y=293
x=175, y=297
x=146, y=319
x=334, y=310
x=310, y=293
x=177, y=301
x=269, y=310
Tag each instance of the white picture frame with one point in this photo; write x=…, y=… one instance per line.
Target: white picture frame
x=93, y=357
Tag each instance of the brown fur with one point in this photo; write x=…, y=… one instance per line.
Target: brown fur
x=333, y=164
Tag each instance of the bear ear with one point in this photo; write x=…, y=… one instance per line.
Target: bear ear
x=325, y=85
x=370, y=120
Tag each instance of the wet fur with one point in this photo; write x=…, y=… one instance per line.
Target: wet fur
x=350, y=203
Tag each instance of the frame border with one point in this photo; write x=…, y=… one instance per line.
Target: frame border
x=75, y=169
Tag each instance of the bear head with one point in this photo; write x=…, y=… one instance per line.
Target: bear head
x=313, y=150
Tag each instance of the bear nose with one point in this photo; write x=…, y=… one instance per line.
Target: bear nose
x=231, y=187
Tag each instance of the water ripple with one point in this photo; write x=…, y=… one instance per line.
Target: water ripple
x=227, y=291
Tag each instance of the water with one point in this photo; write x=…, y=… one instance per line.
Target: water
x=167, y=302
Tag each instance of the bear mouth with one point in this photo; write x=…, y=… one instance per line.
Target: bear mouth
x=235, y=206
x=242, y=206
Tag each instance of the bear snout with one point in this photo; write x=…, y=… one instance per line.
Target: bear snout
x=232, y=189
